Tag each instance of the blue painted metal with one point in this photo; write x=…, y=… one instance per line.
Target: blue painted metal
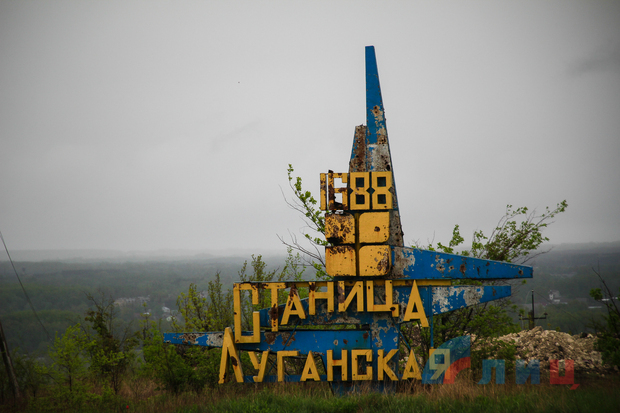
x=375, y=330
x=414, y=263
x=299, y=340
x=375, y=114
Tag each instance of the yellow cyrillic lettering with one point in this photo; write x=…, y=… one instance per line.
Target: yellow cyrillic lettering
x=310, y=370
x=415, y=302
x=314, y=295
x=355, y=375
x=383, y=366
x=356, y=291
x=273, y=312
x=412, y=371
x=228, y=348
x=255, y=337
x=388, y=306
x=261, y=367
x=281, y=355
x=342, y=363
x=293, y=301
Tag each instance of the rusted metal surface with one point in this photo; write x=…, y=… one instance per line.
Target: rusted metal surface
x=340, y=260
x=374, y=260
x=210, y=339
x=340, y=229
x=358, y=153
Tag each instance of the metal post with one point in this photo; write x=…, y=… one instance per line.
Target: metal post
x=6, y=356
x=532, y=316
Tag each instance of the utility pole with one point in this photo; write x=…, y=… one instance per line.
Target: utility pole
x=6, y=356
x=531, y=316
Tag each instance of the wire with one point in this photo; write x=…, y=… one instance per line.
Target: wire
x=23, y=289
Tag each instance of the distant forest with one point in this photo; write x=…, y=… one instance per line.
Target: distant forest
x=58, y=289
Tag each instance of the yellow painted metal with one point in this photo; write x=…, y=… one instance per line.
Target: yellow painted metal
x=310, y=370
x=355, y=375
x=314, y=295
x=374, y=227
x=340, y=260
x=383, y=366
x=255, y=337
x=293, y=307
x=356, y=291
x=415, y=309
x=229, y=349
x=261, y=367
x=412, y=370
x=323, y=192
x=382, y=195
x=359, y=182
x=375, y=260
x=273, y=314
x=340, y=228
x=388, y=305
x=343, y=190
x=281, y=355
x=342, y=363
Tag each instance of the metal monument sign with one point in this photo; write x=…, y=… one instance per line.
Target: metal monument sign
x=348, y=329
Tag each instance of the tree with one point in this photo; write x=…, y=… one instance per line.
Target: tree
x=109, y=346
x=517, y=238
x=179, y=368
x=68, y=355
x=204, y=312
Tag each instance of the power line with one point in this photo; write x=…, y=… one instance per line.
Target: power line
x=23, y=289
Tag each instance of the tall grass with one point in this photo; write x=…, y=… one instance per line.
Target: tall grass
x=463, y=396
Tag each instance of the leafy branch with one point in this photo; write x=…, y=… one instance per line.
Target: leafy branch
x=305, y=204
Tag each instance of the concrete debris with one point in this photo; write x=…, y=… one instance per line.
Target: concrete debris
x=545, y=345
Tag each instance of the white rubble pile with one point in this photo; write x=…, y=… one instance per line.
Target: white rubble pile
x=545, y=345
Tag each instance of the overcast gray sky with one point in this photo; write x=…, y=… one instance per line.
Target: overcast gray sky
x=145, y=125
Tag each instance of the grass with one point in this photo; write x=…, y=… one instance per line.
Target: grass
x=463, y=396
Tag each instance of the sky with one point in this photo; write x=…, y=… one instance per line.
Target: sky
x=159, y=125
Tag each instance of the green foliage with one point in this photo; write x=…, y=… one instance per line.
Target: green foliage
x=179, y=369
x=68, y=357
x=307, y=205
x=204, y=312
x=110, y=351
x=32, y=374
x=517, y=235
x=292, y=271
x=513, y=241
x=491, y=348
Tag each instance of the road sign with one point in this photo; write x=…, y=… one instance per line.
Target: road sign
x=348, y=329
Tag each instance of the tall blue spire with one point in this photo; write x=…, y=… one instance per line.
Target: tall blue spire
x=371, y=148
